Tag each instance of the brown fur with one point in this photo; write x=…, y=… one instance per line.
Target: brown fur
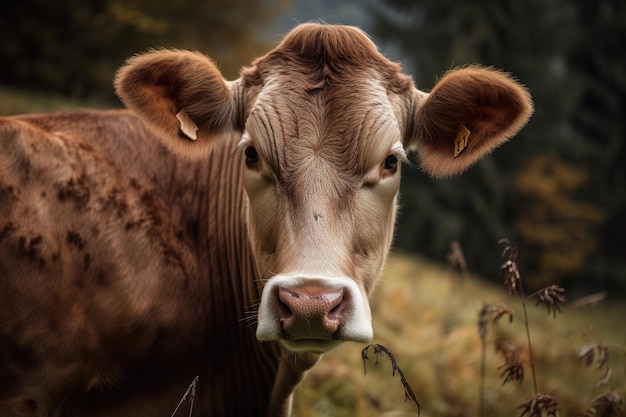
x=125, y=272
x=488, y=102
x=161, y=83
x=330, y=54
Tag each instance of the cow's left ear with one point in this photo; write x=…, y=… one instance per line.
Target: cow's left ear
x=182, y=97
x=468, y=113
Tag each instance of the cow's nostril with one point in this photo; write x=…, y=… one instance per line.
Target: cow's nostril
x=336, y=312
x=282, y=308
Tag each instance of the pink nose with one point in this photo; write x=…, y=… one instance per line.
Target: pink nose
x=309, y=312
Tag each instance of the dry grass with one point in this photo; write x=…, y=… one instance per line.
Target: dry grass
x=429, y=320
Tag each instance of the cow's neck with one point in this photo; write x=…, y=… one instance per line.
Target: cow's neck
x=265, y=375
x=226, y=265
x=227, y=284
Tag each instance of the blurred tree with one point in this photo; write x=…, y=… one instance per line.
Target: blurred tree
x=598, y=62
x=569, y=55
x=561, y=231
x=74, y=47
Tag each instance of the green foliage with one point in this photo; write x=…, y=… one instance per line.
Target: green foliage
x=74, y=47
x=569, y=56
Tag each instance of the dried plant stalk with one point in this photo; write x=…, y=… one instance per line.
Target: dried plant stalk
x=606, y=405
x=513, y=279
x=551, y=296
x=191, y=393
x=540, y=405
x=457, y=262
x=379, y=350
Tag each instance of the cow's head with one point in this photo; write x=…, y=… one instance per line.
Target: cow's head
x=324, y=123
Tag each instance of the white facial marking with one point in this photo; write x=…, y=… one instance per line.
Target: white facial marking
x=353, y=322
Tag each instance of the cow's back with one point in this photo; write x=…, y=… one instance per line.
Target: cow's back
x=96, y=272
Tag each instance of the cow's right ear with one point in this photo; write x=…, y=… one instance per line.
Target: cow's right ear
x=182, y=97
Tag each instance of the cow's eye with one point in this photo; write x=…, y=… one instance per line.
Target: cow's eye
x=391, y=162
x=252, y=156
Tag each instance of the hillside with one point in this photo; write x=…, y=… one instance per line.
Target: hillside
x=428, y=320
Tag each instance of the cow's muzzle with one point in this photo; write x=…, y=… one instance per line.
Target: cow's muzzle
x=313, y=314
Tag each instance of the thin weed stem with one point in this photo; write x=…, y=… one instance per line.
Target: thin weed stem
x=190, y=395
x=382, y=350
x=481, y=386
x=530, y=346
x=624, y=361
x=513, y=280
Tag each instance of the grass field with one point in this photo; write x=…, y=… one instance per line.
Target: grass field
x=429, y=321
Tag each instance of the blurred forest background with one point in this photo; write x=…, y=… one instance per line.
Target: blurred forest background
x=558, y=190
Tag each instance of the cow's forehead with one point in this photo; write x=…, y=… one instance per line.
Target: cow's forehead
x=323, y=93
x=350, y=125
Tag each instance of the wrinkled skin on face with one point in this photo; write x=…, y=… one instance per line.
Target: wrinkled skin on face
x=322, y=192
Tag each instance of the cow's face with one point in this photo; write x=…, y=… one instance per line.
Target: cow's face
x=322, y=172
x=324, y=122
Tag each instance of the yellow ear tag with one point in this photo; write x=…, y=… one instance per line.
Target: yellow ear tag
x=460, y=142
x=187, y=126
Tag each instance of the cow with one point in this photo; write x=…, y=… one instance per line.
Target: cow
x=226, y=230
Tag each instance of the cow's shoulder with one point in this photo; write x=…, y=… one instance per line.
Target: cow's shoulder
x=91, y=259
